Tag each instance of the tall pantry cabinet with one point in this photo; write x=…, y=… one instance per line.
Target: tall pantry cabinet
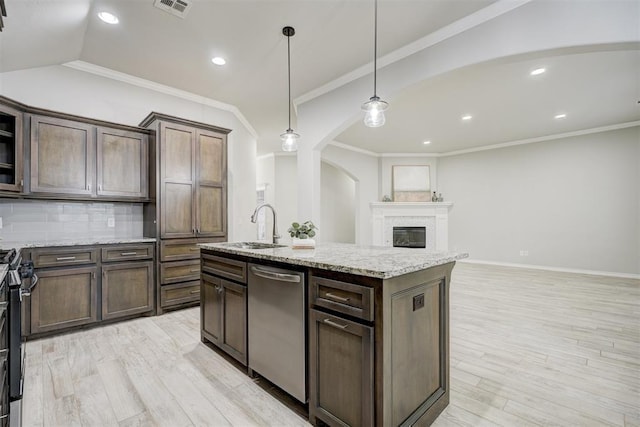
x=188, y=189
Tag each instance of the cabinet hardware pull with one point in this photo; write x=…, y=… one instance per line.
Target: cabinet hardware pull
x=334, y=324
x=128, y=253
x=99, y=187
x=196, y=292
x=194, y=249
x=65, y=258
x=89, y=187
x=94, y=275
x=195, y=271
x=218, y=289
x=198, y=230
x=336, y=297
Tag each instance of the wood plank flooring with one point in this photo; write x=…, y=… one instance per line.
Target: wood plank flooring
x=527, y=348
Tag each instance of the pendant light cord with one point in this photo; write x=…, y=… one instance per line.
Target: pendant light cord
x=375, y=47
x=289, y=74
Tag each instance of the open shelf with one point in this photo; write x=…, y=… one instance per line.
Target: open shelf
x=7, y=166
x=5, y=133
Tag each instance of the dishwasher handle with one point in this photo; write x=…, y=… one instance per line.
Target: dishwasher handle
x=268, y=274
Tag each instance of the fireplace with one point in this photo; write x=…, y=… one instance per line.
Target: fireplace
x=409, y=237
x=432, y=217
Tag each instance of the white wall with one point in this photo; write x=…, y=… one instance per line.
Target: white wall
x=67, y=90
x=363, y=169
x=571, y=203
x=338, y=205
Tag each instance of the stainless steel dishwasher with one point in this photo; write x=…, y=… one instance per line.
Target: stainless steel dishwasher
x=277, y=323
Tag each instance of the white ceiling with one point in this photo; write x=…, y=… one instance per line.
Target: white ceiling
x=333, y=38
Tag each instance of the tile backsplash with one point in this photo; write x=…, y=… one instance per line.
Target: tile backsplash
x=38, y=220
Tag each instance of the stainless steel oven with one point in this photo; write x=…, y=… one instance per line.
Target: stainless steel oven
x=14, y=355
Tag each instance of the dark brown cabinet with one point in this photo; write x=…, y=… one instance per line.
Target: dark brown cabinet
x=83, y=285
x=64, y=298
x=62, y=153
x=121, y=163
x=224, y=306
x=193, y=182
x=79, y=159
x=188, y=161
x=11, y=154
x=341, y=370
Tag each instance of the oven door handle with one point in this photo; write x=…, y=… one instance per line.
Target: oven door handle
x=27, y=292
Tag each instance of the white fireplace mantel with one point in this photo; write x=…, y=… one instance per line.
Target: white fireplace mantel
x=434, y=216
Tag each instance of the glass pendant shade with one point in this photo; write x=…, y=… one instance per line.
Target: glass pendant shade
x=289, y=140
x=374, y=112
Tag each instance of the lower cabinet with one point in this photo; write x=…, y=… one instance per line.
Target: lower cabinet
x=127, y=288
x=82, y=285
x=64, y=298
x=340, y=371
x=224, y=315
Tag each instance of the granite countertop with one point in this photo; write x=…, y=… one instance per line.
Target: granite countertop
x=75, y=242
x=3, y=271
x=379, y=262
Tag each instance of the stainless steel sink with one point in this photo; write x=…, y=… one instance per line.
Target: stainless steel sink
x=253, y=245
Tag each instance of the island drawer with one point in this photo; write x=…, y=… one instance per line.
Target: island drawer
x=181, y=293
x=127, y=252
x=343, y=297
x=225, y=267
x=54, y=257
x=181, y=249
x=179, y=271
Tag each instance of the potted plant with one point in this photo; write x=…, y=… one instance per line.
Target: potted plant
x=303, y=234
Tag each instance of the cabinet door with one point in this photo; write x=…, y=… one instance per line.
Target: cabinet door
x=121, y=163
x=211, y=308
x=211, y=195
x=11, y=155
x=62, y=156
x=234, y=320
x=127, y=288
x=64, y=298
x=340, y=371
x=177, y=174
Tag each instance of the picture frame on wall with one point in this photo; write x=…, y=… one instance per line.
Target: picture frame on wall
x=411, y=183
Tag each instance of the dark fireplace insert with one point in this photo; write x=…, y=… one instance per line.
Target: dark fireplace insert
x=409, y=237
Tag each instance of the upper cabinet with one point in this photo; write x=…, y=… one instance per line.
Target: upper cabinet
x=11, y=154
x=192, y=179
x=85, y=159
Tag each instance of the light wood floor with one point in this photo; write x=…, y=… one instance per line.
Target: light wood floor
x=527, y=348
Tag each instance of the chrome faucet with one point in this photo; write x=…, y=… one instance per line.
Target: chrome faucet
x=254, y=218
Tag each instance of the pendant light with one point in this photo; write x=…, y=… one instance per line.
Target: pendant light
x=289, y=137
x=375, y=107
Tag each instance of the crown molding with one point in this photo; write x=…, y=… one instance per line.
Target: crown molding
x=157, y=87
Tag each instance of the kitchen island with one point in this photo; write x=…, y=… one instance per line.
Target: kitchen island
x=376, y=325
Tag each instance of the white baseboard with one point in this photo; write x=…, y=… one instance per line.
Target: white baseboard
x=548, y=268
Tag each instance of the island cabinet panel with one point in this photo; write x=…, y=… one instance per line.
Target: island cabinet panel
x=121, y=163
x=64, y=298
x=341, y=371
x=62, y=153
x=127, y=289
x=11, y=150
x=224, y=315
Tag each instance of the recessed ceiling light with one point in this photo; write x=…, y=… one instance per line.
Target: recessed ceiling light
x=426, y=142
x=108, y=17
x=218, y=60
x=467, y=117
x=560, y=116
x=538, y=71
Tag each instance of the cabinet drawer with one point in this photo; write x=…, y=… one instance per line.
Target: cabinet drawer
x=348, y=298
x=179, y=294
x=59, y=257
x=181, y=249
x=180, y=271
x=225, y=267
x=128, y=252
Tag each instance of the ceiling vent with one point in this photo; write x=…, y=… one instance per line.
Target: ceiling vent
x=178, y=8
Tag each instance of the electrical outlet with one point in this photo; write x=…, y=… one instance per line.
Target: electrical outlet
x=524, y=252
x=418, y=302
x=111, y=222
x=0, y=222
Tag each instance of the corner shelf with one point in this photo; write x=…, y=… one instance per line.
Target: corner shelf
x=5, y=133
